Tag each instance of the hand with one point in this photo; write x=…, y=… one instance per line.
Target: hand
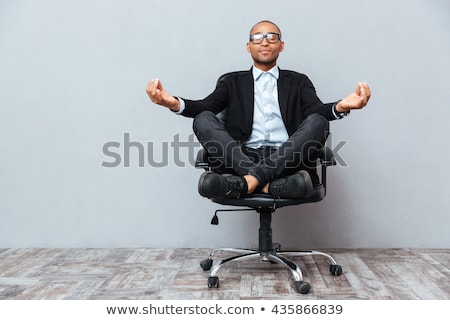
x=355, y=100
x=159, y=96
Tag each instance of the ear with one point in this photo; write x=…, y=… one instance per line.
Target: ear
x=281, y=46
x=248, y=46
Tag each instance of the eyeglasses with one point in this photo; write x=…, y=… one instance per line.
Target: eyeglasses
x=271, y=37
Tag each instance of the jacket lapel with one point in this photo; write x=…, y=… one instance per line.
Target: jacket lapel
x=249, y=96
x=283, y=92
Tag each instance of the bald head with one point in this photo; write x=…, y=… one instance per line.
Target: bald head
x=265, y=22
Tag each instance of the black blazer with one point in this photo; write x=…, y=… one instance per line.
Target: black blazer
x=235, y=92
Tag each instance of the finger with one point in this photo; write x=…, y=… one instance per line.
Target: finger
x=150, y=84
x=362, y=90
x=154, y=87
x=358, y=89
x=158, y=84
x=367, y=88
x=366, y=91
x=149, y=87
x=152, y=90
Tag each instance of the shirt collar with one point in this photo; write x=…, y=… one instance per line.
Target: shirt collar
x=275, y=72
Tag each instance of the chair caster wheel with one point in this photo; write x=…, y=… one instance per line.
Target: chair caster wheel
x=206, y=264
x=276, y=246
x=335, y=269
x=213, y=282
x=302, y=287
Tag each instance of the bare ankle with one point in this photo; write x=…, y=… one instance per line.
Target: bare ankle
x=252, y=183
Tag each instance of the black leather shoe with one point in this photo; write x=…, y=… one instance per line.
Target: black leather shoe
x=213, y=185
x=298, y=185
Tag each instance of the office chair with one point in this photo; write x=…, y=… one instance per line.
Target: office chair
x=265, y=205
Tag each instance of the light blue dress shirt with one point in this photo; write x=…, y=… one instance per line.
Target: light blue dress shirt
x=268, y=125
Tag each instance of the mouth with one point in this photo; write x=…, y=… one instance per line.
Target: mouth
x=265, y=51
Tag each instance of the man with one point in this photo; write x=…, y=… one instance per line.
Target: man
x=263, y=124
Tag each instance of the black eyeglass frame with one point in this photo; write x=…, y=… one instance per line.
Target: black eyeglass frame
x=264, y=36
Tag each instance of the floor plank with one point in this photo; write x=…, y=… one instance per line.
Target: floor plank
x=174, y=273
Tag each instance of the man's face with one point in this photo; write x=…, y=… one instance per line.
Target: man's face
x=265, y=54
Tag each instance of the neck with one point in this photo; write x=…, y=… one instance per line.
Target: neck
x=264, y=67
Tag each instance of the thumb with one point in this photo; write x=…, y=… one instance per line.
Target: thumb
x=158, y=84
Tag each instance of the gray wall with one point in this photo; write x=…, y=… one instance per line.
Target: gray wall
x=73, y=77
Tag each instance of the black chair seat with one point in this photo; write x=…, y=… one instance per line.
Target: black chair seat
x=262, y=200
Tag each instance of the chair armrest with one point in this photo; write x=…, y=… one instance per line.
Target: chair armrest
x=326, y=157
x=201, y=162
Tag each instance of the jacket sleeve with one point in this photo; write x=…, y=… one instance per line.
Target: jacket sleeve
x=215, y=102
x=312, y=103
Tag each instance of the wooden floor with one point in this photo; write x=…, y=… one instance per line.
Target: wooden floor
x=173, y=274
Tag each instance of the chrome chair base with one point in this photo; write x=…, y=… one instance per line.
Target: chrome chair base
x=274, y=256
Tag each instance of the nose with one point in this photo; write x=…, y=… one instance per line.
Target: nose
x=265, y=42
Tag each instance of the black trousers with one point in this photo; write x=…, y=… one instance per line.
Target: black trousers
x=266, y=164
